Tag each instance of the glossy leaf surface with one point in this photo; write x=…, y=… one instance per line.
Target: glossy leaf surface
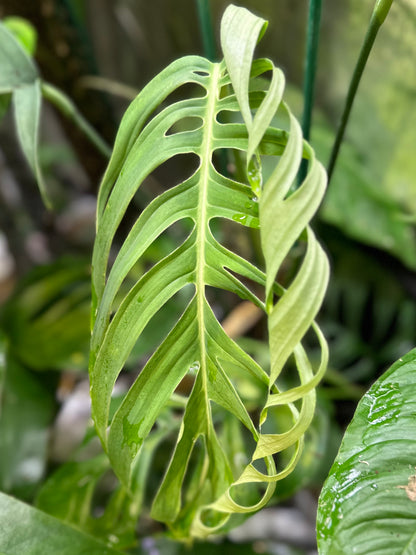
x=208, y=478
x=368, y=503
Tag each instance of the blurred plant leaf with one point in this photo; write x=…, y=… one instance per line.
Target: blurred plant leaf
x=24, y=32
x=47, y=319
x=17, y=68
x=367, y=505
x=28, y=531
x=26, y=411
x=369, y=322
x=362, y=209
x=75, y=491
x=20, y=77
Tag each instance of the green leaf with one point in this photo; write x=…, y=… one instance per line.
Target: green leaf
x=67, y=494
x=17, y=68
x=20, y=76
x=27, y=101
x=24, y=32
x=28, y=531
x=71, y=492
x=47, y=319
x=367, y=505
x=203, y=485
x=26, y=410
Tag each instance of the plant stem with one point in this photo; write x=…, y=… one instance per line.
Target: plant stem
x=68, y=109
x=312, y=42
x=378, y=17
x=207, y=33
x=311, y=55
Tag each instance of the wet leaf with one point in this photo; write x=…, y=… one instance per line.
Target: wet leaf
x=367, y=504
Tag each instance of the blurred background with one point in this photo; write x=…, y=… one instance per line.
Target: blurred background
x=101, y=53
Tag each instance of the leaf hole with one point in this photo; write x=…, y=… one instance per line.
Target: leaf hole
x=184, y=92
x=201, y=73
x=230, y=162
x=185, y=124
x=247, y=494
x=211, y=518
x=158, y=327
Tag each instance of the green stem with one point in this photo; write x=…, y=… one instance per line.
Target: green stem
x=378, y=17
x=312, y=41
x=68, y=109
x=205, y=24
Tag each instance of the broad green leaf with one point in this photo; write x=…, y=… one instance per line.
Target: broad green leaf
x=367, y=505
x=28, y=531
x=203, y=485
x=26, y=411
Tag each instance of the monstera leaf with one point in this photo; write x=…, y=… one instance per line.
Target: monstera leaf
x=223, y=462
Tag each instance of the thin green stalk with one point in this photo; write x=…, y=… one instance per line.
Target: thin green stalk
x=207, y=33
x=312, y=42
x=68, y=109
x=378, y=17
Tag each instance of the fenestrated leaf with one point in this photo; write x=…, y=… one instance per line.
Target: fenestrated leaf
x=28, y=531
x=367, y=505
x=203, y=485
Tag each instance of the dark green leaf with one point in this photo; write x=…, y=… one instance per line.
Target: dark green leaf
x=368, y=503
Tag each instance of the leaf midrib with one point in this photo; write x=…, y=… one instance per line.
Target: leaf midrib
x=202, y=223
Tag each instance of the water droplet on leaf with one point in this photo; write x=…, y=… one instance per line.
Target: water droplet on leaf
x=194, y=367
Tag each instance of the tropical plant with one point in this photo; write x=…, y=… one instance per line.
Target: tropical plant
x=197, y=344
x=211, y=424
